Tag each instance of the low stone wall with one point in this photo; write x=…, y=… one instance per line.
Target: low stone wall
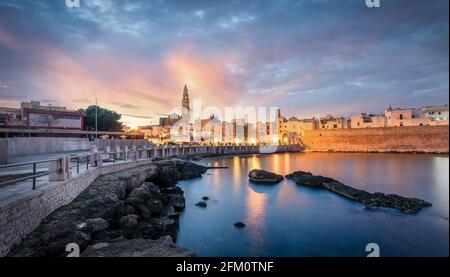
x=113, y=143
x=427, y=139
x=44, y=145
x=21, y=215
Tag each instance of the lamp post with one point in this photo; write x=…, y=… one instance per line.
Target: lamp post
x=96, y=128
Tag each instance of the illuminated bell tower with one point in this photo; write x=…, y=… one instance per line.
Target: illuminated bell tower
x=185, y=102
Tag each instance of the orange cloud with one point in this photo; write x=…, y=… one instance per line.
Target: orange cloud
x=207, y=77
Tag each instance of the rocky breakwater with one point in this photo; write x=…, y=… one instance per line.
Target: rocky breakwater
x=128, y=213
x=259, y=176
x=371, y=200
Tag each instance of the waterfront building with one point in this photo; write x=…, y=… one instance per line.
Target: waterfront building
x=294, y=125
x=34, y=115
x=331, y=122
x=10, y=117
x=367, y=121
x=294, y=128
x=151, y=131
x=398, y=117
x=438, y=115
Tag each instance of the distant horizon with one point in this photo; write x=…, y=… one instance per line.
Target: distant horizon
x=286, y=116
x=308, y=58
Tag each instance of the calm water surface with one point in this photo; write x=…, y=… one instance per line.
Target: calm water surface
x=291, y=220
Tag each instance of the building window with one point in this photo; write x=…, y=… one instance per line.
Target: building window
x=401, y=124
x=335, y=126
x=401, y=116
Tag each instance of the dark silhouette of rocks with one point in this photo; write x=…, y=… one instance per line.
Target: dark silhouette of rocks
x=201, y=204
x=239, y=224
x=119, y=211
x=259, y=176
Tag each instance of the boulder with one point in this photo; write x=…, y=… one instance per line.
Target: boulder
x=170, y=171
x=177, y=201
x=129, y=209
x=308, y=179
x=97, y=224
x=156, y=228
x=239, y=224
x=163, y=247
x=142, y=193
x=155, y=206
x=201, y=204
x=371, y=200
x=115, y=207
x=172, y=190
x=259, y=176
x=129, y=221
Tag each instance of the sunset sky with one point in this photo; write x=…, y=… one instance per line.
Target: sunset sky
x=307, y=57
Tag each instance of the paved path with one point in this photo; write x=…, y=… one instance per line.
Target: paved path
x=13, y=189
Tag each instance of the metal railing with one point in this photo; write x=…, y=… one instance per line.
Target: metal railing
x=80, y=160
x=32, y=175
x=89, y=160
x=114, y=156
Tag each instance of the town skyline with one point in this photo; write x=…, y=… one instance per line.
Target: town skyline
x=135, y=56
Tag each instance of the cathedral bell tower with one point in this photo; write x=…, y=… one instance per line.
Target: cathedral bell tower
x=185, y=103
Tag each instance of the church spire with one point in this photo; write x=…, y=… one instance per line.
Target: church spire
x=185, y=91
x=185, y=102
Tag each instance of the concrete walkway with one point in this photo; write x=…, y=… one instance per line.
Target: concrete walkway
x=12, y=189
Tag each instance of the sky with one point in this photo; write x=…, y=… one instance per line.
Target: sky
x=307, y=57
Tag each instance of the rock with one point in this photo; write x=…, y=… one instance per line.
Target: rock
x=142, y=193
x=129, y=209
x=144, y=212
x=113, y=236
x=177, y=201
x=370, y=200
x=116, y=206
x=163, y=247
x=129, y=221
x=173, y=215
x=156, y=228
x=308, y=179
x=151, y=187
x=81, y=226
x=97, y=224
x=172, y=190
x=201, y=204
x=239, y=224
x=170, y=171
x=155, y=206
x=258, y=176
x=205, y=198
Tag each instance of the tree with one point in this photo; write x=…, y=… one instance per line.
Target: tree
x=47, y=120
x=107, y=120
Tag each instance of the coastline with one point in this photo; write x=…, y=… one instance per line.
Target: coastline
x=169, y=182
x=418, y=152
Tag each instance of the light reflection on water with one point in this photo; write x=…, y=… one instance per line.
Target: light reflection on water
x=291, y=220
